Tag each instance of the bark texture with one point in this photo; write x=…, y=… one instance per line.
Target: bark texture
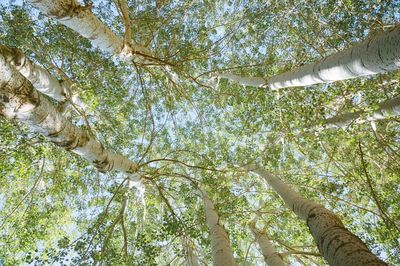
x=221, y=247
x=38, y=76
x=271, y=257
x=336, y=244
x=372, y=56
x=385, y=110
x=41, y=79
x=19, y=100
x=83, y=21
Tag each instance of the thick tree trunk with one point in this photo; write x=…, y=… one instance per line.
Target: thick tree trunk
x=221, y=247
x=337, y=244
x=41, y=79
x=271, y=257
x=20, y=101
x=372, y=56
x=83, y=21
x=38, y=76
x=386, y=109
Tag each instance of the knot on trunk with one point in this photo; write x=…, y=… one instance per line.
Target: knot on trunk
x=103, y=166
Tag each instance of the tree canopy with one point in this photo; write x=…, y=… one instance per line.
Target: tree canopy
x=187, y=128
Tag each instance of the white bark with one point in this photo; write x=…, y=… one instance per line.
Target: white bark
x=20, y=101
x=337, y=244
x=38, y=76
x=385, y=110
x=41, y=79
x=271, y=257
x=221, y=247
x=372, y=56
x=83, y=21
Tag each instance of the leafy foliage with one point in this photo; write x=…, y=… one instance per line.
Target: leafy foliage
x=187, y=129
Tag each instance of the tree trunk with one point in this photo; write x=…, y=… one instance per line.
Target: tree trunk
x=41, y=79
x=271, y=257
x=19, y=100
x=38, y=76
x=386, y=109
x=337, y=244
x=83, y=21
x=221, y=247
x=372, y=56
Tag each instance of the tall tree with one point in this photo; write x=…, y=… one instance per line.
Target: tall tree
x=221, y=249
x=337, y=244
x=80, y=19
x=20, y=100
x=375, y=55
x=177, y=125
x=271, y=257
x=41, y=79
x=384, y=110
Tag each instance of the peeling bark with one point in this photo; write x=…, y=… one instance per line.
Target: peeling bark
x=19, y=100
x=336, y=244
x=221, y=247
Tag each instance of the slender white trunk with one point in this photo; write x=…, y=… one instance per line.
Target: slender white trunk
x=372, y=56
x=19, y=100
x=271, y=257
x=83, y=21
x=337, y=244
x=386, y=109
x=221, y=247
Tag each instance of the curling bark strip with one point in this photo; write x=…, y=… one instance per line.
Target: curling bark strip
x=19, y=100
x=337, y=244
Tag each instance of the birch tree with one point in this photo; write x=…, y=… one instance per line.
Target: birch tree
x=22, y=102
x=337, y=244
x=384, y=110
x=41, y=79
x=375, y=55
x=176, y=125
x=271, y=257
x=221, y=248
x=80, y=19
